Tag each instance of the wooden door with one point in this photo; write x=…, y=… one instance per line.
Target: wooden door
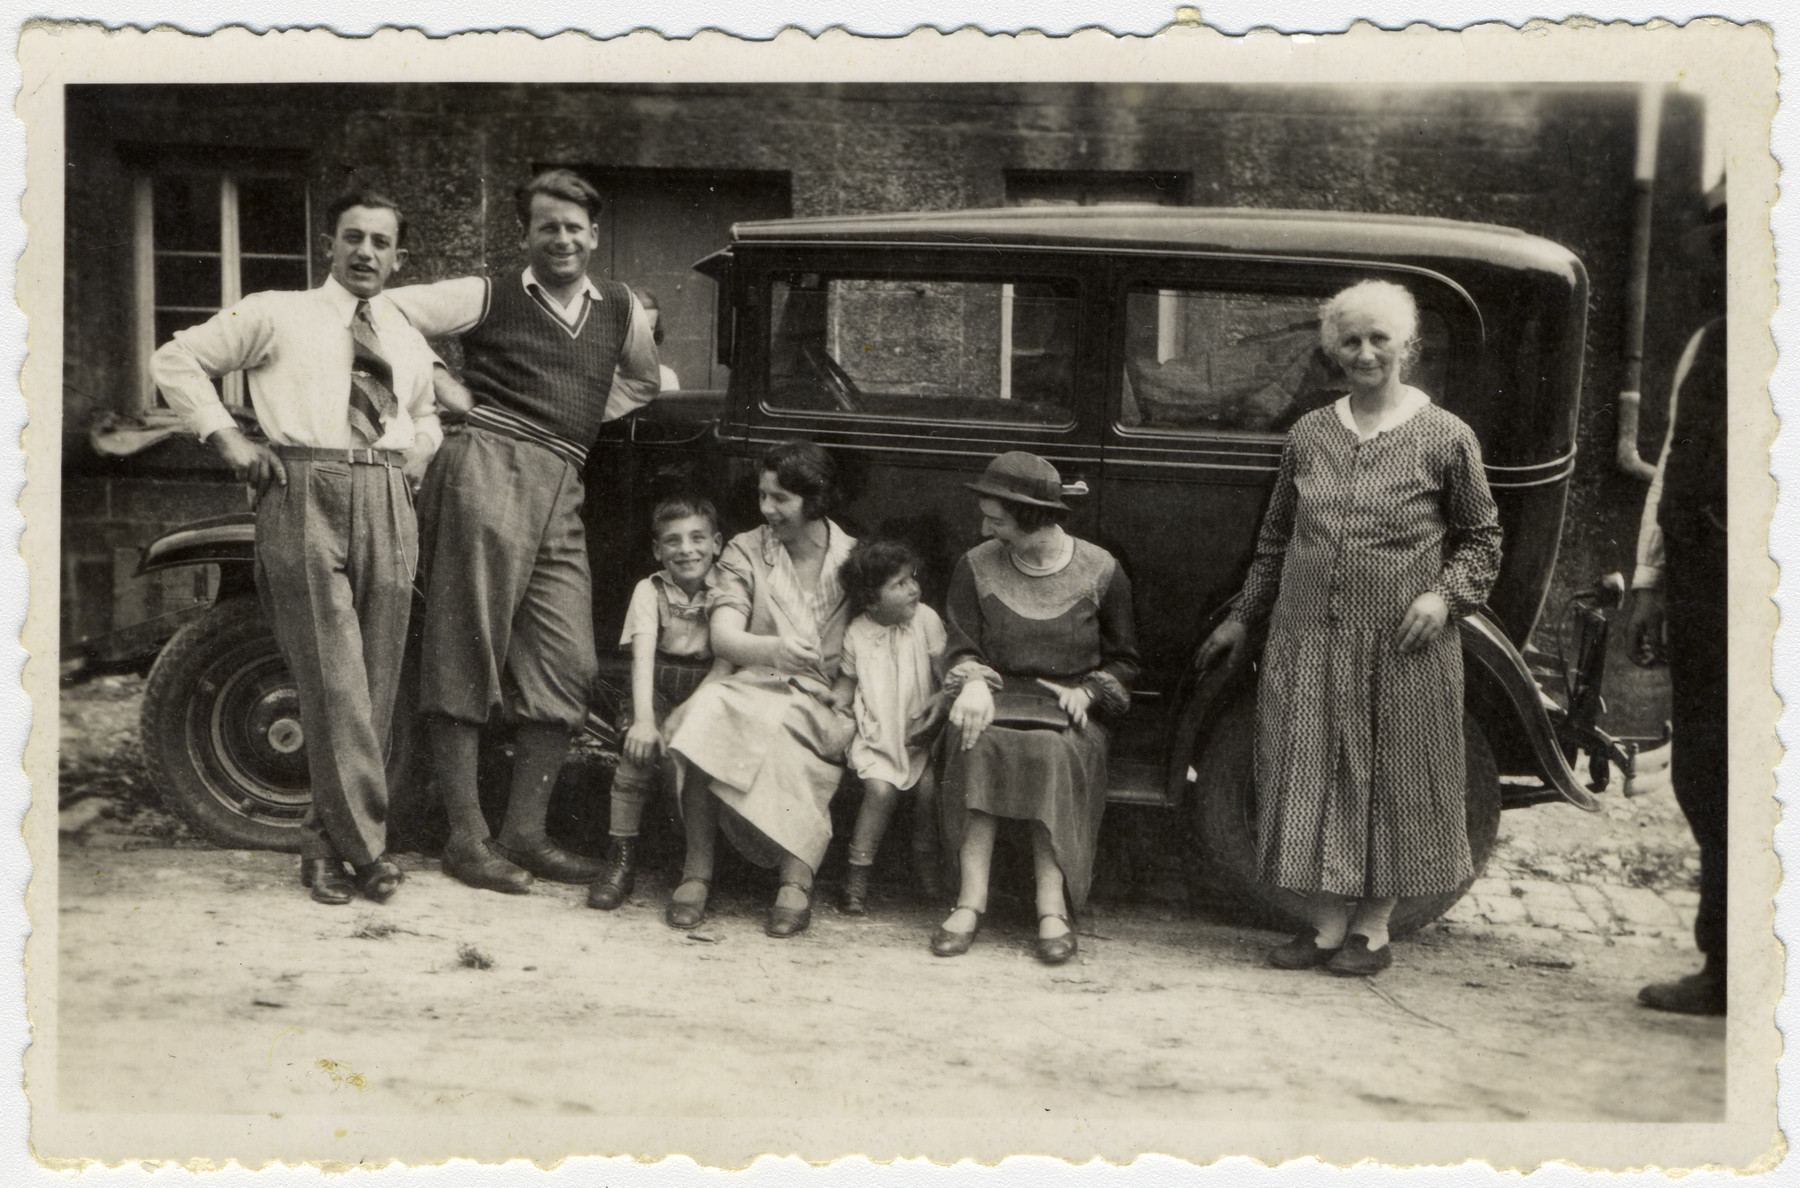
x=656, y=225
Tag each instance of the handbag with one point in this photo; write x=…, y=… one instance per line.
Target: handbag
x=1035, y=709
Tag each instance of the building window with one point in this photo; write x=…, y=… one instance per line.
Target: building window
x=204, y=237
x=1080, y=187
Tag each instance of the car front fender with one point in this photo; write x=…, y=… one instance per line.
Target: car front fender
x=226, y=541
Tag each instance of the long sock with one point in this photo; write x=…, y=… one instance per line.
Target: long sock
x=631, y=788
x=1372, y=920
x=454, y=747
x=538, y=753
x=1330, y=915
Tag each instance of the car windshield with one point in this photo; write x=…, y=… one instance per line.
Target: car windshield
x=931, y=348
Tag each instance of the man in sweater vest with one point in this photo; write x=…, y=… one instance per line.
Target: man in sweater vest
x=549, y=356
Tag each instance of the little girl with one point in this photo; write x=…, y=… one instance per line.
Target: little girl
x=893, y=661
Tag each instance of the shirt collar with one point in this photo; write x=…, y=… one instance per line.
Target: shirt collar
x=674, y=591
x=342, y=300
x=530, y=281
x=1411, y=401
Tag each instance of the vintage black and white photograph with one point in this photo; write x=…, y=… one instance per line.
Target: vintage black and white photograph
x=1059, y=615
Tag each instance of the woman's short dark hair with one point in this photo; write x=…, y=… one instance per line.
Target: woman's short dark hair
x=373, y=199
x=871, y=565
x=808, y=471
x=564, y=184
x=1030, y=517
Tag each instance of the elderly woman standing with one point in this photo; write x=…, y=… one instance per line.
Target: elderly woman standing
x=1380, y=531
x=1040, y=623
x=766, y=743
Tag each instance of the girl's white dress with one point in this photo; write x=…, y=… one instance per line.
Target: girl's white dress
x=896, y=673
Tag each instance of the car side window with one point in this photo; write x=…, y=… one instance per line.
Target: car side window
x=927, y=348
x=1209, y=360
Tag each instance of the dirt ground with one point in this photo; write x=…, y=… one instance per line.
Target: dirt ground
x=193, y=979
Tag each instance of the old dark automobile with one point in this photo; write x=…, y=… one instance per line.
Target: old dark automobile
x=1156, y=355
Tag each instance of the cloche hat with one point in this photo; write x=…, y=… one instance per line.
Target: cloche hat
x=1022, y=478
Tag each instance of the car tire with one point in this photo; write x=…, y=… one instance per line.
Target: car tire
x=1223, y=803
x=222, y=740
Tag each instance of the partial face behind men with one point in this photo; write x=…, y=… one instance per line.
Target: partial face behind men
x=365, y=249
x=559, y=240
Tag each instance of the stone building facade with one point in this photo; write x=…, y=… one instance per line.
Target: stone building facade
x=181, y=197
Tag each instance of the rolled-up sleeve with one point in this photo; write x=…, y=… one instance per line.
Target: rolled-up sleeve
x=184, y=367
x=443, y=307
x=638, y=377
x=732, y=580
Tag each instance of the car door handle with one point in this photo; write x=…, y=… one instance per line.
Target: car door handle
x=1075, y=487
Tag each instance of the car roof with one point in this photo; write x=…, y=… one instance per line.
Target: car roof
x=1234, y=230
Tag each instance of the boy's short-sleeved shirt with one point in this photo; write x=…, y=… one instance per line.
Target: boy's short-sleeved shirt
x=661, y=608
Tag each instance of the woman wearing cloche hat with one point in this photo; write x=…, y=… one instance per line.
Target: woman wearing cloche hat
x=1042, y=649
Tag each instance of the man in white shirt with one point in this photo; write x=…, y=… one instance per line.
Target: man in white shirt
x=341, y=386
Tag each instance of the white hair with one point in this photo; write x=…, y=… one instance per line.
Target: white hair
x=1381, y=299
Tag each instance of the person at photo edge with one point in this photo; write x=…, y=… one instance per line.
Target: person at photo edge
x=1681, y=579
x=761, y=752
x=342, y=389
x=1041, y=651
x=669, y=380
x=1380, y=532
x=549, y=356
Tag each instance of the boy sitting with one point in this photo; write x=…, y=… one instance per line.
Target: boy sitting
x=671, y=654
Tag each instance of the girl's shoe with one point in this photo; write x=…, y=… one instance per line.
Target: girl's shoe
x=615, y=882
x=1054, y=950
x=687, y=915
x=925, y=875
x=855, y=901
x=945, y=943
x=1357, y=960
x=1302, y=952
x=785, y=922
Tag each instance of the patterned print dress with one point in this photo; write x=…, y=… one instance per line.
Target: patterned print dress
x=1359, y=761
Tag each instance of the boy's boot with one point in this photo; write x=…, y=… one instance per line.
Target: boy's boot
x=619, y=876
x=925, y=872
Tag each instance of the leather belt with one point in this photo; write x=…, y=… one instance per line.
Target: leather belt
x=354, y=455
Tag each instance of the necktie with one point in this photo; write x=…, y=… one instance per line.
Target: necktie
x=372, y=399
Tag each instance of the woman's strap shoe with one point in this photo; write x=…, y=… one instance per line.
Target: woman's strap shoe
x=329, y=881
x=687, y=915
x=1302, y=952
x=1357, y=960
x=945, y=943
x=785, y=921
x=1054, y=950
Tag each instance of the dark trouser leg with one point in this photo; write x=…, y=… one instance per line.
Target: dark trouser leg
x=538, y=753
x=1698, y=679
x=334, y=556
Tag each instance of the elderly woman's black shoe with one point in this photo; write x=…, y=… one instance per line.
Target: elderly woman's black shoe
x=785, y=921
x=945, y=943
x=1054, y=950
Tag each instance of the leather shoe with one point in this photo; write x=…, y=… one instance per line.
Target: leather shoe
x=1302, y=952
x=380, y=879
x=1357, y=960
x=945, y=943
x=687, y=915
x=329, y=881
x=547, y=860
x=477, y=864
x=784, y=921
x=1700, y=993
x=620, y=875
x=1054, y=950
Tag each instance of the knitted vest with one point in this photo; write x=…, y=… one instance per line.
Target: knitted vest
x=524, y=360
